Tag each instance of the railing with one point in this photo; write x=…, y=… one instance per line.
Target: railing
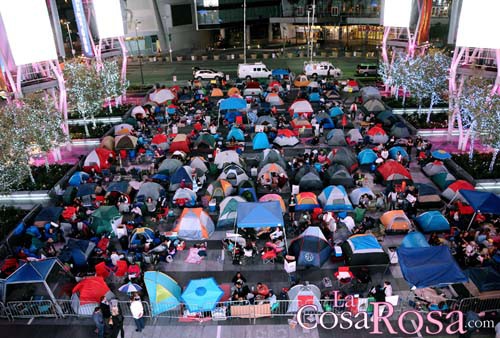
x=4, y=313
x=32, y=309
x=477, y=305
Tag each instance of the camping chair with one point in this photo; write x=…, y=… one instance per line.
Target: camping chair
x=269, y=256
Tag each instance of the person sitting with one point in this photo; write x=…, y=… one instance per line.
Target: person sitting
x=238, y=277
x=262, y=290
x=133, y=271
x=276, y=234
x=240, y=292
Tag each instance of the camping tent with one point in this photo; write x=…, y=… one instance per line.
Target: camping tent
x=310, y=248
x=184, y=173
x=169, y=166
x=334, y=198
x=395, y=221
x=356, y=194
x=219, y=190
x=259, y=215
x=374, y=105
x=228, y=211
x=393, y=171
x=47, y=215
x=431, y=266
x=428, y=197
x=325, y=120
x=225, y=157
x=205, y=140
x=271, y=156
x=301, y=295
x=123, y=129
x=185, y=197
x=194, y=224
x=76, y=251
x=202, y=295
x=125, y=142
x=150, y=189
x=306, y=201
x=179, y=143
x=274, y=197
x=367, y=93
x=344, y=156
x=200, y=164
x=364, y=250
x=452, y=191
x=443, y=180
x=300, y=106
x=414, y=239
x=433, y=168
x=105, y=220
x=377, y=135
x=311, y=182
x=161, y=96
x=286, y=138
x=164, y=292
x=246, y=189
x=87, y=294
x=260, y=141
x=335, y=111
x=399, y=130
x=355, y=135
x=274, y=99
x=236, y=134
x=98, y=159
x=139, y=234
x=339, y=175
x=234, y=174
x=432, y=221
x=335, y=137
x=393, y=152
x=367, y=156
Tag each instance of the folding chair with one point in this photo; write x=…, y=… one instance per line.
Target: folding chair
x=269, y=257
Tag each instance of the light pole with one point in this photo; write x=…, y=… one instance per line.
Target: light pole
x=137, y=23
x=169, y=42
x=311, y=31
x=245, y=31
x=66, y=23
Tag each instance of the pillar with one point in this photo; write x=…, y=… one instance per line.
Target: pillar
x=270, y=32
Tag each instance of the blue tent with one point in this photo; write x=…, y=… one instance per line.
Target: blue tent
x=179, y=175
x=139, y=233
x=86, y=189
x=231, y=115
x=432, y=266
x=121, y=187
x=336, y=111
x=260, y=141
x=484, y=202
x=324, y=119
x=486, y=279
x=48, y=214
x=164, y=293
x=76, y=251
x=78, y=178
x=367, y=156
x=280, y=72
x=202, y=295
x=393, y=152
x=314, y=97
x=310, y=248
x=414, y=240
x=431, y=221
x=237, y=134
x=233, y=103
x=334, y=198
x=259, y=215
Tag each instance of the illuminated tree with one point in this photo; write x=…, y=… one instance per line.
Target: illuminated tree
x=488, y=126
x=113, y=87
x=436, y=67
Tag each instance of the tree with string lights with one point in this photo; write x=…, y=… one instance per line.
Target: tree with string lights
x=113, y=86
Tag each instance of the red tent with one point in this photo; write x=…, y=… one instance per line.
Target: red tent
x=286, y=132
x=376, y=130
x=159, y=139
x=181, y=143
x=460, y=185
x=91, y=290
x=98, y=159
x=252, y=84
x=392, y=170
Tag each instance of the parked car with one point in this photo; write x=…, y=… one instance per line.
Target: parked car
x=207, y=74
x=253, y=71
x=323, y=68
x=367, y=69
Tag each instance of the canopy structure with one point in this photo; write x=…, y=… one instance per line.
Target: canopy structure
x=202, y=295
x=431, y=266
x=259, y=215
x=274, y=197
x=484, y=202
x=164, y=292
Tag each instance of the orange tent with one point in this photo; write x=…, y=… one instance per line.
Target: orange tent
x=233, y=91
x=395, y=221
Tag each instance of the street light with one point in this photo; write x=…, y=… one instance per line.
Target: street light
x=245, y=31
x=66, y=23
x=169, y=42
x=137, y=23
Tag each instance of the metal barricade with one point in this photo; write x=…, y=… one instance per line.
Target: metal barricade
x=477, y=305
x=4, y=313
x=69, y=308
x=32, y=309
x=124, y=306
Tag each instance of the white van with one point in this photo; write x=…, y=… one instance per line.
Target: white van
x=253, y=71
x=323, y=68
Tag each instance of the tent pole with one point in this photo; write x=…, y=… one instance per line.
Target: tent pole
x=472, y=220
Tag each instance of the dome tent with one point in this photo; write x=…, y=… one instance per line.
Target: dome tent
x=310, y=248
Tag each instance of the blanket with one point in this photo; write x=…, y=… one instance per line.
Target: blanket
x=193, y=257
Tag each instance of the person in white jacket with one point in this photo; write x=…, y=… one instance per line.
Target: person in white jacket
x=137, y=311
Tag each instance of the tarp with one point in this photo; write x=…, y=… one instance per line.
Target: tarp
x=414, y=239
x=202, y=295
x=105, y=219
x=194, y=224
x=432, y=266
x=259, y=215
x=47, y=215
x=164, y=292
x=334, y=198
x=310, y=248
x=78, y=178
x=260, y=141
x=76, y=251
x=90, y=290
x=432, y=221
x=484, y=202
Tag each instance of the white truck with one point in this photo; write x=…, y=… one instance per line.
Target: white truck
x=321, y=68
x=253, y=71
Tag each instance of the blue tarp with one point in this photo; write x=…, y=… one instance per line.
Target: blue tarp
x=393, y=152
x=78, y=178
x=486, y=279
x=35, y=271
x=260, y=141
x=414, y=240
x=432, y=266
x=431, y=221
x=259, y=215
x=484, y=202
x=233, y=103
x=280, y=71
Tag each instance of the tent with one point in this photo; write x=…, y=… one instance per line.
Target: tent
x=393, y=152
x=440, y=154
x=274, y=99
x=306, y=201
x=339, y=175
x=204, y=140
x=414, y=239
x=228, y=211
x=87, y=189
x=300, y=106
x=164, y=292
x=356, y=194
x=486, y=279
x=246, y=189
x=334, y=198
x=216, y=92
x=225, y=157
x=138, y=234
x=301, y=295
x=300, y=123
x=335, y=137
x=377, y=135
x=266, y=120
x=219, y=190
x=169, y=166
x=310, y=248
x=400, y=130
x=452, y=191
x=395, y=221
x=185, y=197
x=374, y=105
x=344, y=156
x=443, y=180
x=79, y=177
x=260, y=141
x=428, y=197
x=47, y=215
x=431, y=266
x=184, y=173
x=388, y=119
x=194, y=224
x=87, y=294
x=391, y=170
x=160, y=141
x=271, y=156
x=125, y=142
x=149, y=189
x=236, y=134
x=286, y=138
x=280, y=74
x=123, y=129
x=355, y=135
x=76, y=252
x=274, y=197
x=199, y=164
x=108, y=142
x=232, y=103
x=98, y=159
x=202, y=295
x=301, y=81
x=364, y=250
x=105, y=220
x=432, y=221
x=234, y=174
x=44, y=279
x=367, y=156
x=368, y=93
x=233, y=92
x=161, y=96
x=325, y=120
x=271, y=168
x=336, y=111
x=311, y=182
x=259, y=215
x=433, y=168
x=179, y=143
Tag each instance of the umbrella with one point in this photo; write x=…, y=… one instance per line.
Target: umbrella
x=130, y=288
x=202, y=295
x=440, y=154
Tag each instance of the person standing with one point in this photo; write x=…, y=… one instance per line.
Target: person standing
x=117, y=322
x=99, y=322
x=409, y=147
x=137, y=311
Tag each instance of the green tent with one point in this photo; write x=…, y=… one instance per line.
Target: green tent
x=105, y=219
x=443, y=180
x=205, y=140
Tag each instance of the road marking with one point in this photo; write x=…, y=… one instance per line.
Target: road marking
x=222, y=255
x=31, y=320
x=419, y=335
x=219, y=330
